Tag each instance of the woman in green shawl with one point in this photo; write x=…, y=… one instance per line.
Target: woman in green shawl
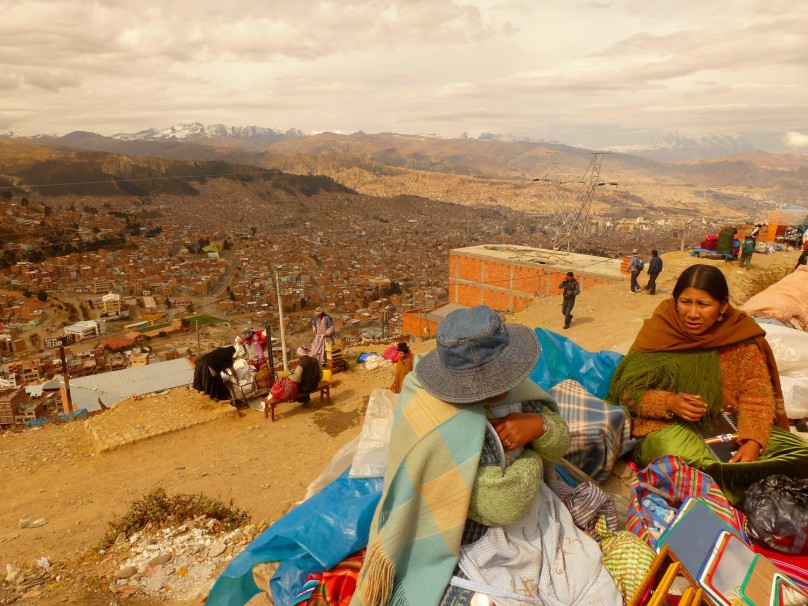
x=698, y=357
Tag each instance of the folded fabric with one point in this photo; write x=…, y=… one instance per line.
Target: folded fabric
x=588, y=505
x=544, y=558
x=599, y=432
x=626, y=556
x=785, y=300
x=674, y=481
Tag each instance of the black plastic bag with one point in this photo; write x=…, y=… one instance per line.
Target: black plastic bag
x=777, y=514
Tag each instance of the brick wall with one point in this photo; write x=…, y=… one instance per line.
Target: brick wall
x=415, y=325
x=501, y=285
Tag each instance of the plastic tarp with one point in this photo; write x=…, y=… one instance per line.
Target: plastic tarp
x=561, y=359
x=790, y=347
x=334, y=523
x=314, y=536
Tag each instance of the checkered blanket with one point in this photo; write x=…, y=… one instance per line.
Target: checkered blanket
x=599, y=432
x=415, y=537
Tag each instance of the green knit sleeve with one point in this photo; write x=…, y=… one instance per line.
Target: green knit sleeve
x=501, y=497
x=555, y=440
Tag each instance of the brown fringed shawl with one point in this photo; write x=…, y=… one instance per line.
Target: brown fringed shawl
x=664, y=333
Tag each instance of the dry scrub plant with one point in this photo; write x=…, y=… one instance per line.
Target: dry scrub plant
x=158, y=510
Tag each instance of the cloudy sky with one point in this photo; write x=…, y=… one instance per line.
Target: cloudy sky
x=593, y=73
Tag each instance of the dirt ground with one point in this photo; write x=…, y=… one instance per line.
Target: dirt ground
x=52, y=474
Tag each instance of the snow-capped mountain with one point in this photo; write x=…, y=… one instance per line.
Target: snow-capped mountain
x=195, y=131
x=687, y=146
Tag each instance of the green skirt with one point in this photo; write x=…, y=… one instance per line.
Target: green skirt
x=786, y=454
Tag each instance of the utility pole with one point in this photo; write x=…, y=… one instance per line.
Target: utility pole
x=59, y=343
x=685, y=223
x=67, y=383
x=196, y=327
x=280, y=320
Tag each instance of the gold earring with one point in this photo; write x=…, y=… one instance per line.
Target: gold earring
x=721, y=317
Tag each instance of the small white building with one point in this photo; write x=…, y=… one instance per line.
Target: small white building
x=85, y=329
x=112, y=303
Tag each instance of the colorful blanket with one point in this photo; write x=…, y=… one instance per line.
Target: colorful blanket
x=669, y=481
x=434, y=452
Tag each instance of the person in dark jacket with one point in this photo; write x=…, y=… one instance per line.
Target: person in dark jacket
x=208, y=369
x=571, y=289
x=307, y=375
x=654, y=269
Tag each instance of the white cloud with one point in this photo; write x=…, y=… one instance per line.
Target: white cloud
x=590, y=70
x=794, y=139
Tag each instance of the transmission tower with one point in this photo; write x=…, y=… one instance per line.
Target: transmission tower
x=569, y=221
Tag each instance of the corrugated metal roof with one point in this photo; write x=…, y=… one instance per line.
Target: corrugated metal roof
x=439, y=315
x=87, y=398
x=139, y=380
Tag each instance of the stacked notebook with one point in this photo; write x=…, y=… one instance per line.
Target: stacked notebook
x=718, y=558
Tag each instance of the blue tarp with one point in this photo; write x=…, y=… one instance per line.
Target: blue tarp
x=561, y=359
x=333, y=524
x=315, y=536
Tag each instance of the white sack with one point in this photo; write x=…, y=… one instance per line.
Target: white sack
x=790, y=347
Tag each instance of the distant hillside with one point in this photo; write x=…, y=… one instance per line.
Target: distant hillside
x=477, y=171
x=48, y=171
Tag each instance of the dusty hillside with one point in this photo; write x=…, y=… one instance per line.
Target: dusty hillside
x=53, y=474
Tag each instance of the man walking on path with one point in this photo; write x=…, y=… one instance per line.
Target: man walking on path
x=571, y=289
x=654, y=269
x=635, y=267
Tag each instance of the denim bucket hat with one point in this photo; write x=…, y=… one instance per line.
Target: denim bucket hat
x=477, y=356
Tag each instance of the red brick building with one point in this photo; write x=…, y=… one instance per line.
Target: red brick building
x=423, y=323
x=508, y=277
x=10, y=401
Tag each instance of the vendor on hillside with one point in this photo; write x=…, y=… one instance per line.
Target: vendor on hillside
x=323, y=328
x=307, y=375
x=208, y=369
x=403, y=366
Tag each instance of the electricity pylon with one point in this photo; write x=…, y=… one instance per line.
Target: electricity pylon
x=570, y=219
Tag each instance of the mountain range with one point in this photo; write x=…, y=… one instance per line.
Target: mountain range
x=672, y=146
x=687, y=146
x=490, y=169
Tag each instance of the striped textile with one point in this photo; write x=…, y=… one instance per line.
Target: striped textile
x=415, y=537
x=627, y=558
x=674, y=480
x=588, y=505
x=599, y=432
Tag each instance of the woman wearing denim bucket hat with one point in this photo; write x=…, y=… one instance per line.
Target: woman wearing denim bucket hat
x=465, y=507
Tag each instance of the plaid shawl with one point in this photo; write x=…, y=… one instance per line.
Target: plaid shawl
x=434, y=453
x=599, y=432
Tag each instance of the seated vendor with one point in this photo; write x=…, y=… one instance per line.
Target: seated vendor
x=696, y=358
x=471, y=454
x=307, y=375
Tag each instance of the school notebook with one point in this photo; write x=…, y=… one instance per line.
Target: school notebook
x=719, y=437
x=693, y=536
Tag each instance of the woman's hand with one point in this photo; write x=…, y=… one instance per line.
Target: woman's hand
x=687, y=407
x=747, y=453
x=518, y=428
